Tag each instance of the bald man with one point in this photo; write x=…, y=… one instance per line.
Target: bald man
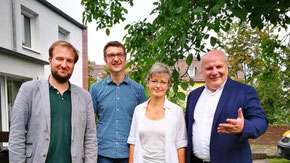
x=222, y=115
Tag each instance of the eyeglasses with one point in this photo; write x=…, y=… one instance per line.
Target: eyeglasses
x=162, y=83
x=112, y=56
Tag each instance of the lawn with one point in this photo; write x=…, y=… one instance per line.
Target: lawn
x=278, y=160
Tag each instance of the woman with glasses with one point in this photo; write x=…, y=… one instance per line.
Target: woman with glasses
x=158, y=132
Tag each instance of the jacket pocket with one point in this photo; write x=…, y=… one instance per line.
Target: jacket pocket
x=28, y=152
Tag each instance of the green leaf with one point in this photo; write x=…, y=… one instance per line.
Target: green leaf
x=212, y=41
x=216, y=9
x=191, y=82
x=189, y=59
x=178, y=10
x=127, y=26
x=181, y=95
x=107, y=32
x=197, y=10
x=184, y=86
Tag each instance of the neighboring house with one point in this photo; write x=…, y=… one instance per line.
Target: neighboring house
x=192, y=72
x=28, y=28
x=98, y=71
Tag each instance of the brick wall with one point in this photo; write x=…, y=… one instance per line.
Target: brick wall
x=85, y=58
x=272, y=135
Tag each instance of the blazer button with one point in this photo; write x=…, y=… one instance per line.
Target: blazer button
x=44, y=155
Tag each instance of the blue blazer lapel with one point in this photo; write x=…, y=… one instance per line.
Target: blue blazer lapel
x=223, y=100
x=44, y=93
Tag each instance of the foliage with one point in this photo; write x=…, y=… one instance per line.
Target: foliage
x=91, y=80
x=265, y=61
x=180, y=29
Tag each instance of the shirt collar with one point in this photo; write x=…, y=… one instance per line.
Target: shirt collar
x=218, y=90
x=166, y=104
x=52, y=87
x=109, y=80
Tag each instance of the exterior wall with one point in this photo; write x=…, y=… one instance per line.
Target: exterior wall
x=20, y=68
x=19, y=63
x=6, y=24
x=272, y=135
x=47, y=24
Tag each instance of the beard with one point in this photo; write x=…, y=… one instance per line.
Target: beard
x=59, y=78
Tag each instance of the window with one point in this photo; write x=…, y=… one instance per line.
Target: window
x=62, y=34
x=26, y=30
x=9, y=88
x=191, y=71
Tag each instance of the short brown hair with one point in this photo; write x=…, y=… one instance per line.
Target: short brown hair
x=64, y=44
x=116, y=44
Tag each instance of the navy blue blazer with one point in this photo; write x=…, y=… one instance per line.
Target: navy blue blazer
x=230, y=148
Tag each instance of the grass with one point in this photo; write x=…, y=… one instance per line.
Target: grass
x=278, y=160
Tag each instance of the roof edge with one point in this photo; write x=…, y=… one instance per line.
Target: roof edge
x=20, y=55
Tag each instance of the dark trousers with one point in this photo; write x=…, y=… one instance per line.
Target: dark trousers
x=103, y=159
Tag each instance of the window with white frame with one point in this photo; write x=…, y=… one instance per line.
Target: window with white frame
x=26, y=30
x=9, y=88
x=191, y=71
x=62, y=34
x=28, y=18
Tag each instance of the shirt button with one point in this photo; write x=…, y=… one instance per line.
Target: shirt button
x=44, y=155
x=117, y=132
x=117, y=109
x=117, y=143
x=118, y=98
x=62, y=98
x=46, y=139
x=57, y=92
x=117, y=121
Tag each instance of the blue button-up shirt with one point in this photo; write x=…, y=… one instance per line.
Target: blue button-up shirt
x=114, y=105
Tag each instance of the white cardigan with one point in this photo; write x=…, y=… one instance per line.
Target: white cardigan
x=175, y=132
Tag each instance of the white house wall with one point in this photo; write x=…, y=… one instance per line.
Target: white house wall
x=6, y=25
x=17, y=67
x=47, y=26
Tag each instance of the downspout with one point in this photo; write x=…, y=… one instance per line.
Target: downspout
x=13, y=25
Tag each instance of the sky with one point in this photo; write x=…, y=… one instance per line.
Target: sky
x=98, y=39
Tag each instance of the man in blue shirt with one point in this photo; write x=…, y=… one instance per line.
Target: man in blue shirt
x=115, y=99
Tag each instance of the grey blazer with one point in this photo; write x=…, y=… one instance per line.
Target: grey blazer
x=30, y=125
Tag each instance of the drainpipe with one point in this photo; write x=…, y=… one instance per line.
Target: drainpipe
x=13, y=25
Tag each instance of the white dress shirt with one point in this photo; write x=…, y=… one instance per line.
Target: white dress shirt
x=175, y=131
x=203, y=118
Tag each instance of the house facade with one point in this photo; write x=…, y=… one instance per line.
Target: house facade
x=28, y=28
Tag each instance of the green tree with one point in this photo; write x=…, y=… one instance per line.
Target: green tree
x=91, y=80
x=266, y=59
x=180, y=29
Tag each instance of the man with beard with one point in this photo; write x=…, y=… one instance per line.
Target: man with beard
x=52, y=120
x=115, y=99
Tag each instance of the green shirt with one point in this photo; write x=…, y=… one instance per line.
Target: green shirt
x=60, y=131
